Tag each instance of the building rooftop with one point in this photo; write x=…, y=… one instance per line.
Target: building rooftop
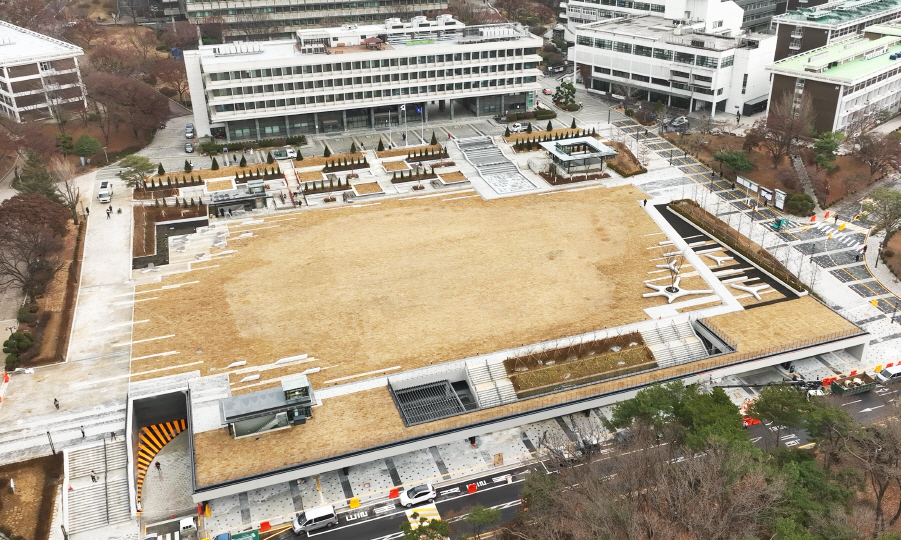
x=840, y=13
x=849, y=60
x=658, y=29
x=364, y=39
x=20, y=45
x=338, y=423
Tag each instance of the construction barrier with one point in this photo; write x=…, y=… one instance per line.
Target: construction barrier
x=355, y=502
x=265, y=526
x=394, y=493
x=472, y=488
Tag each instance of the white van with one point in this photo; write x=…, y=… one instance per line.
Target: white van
x=315, y=518
x=106, y=192
x=889, y=374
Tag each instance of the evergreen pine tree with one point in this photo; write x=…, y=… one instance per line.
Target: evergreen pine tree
x=353, y=148
x=243, y=162
x=215, y=165
x=160, y=170
x=327, y=152
x=573, y=125
x=188, y=167
x=299, y=155
x=434, y=139
x=507, y=132
x=550, y=126
x=269, y=159
x=381, y=146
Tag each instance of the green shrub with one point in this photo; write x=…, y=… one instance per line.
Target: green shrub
x=33, y=308
x=18, y=343
x=799, y=204
x=888, y=254
x=26, y=315
x=629, y=112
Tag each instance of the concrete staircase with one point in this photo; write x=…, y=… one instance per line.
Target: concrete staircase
x=674, y=343
x=488, y=379
x=487, y=158
x=87, y=500
x=88, y=505
x=84, y=460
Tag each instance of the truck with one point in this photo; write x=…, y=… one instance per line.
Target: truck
x=284, y=153
x=852, y=384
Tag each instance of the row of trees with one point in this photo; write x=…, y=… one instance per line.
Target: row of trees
x=688, y=470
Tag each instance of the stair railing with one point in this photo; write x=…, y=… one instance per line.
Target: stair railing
x=106, y=479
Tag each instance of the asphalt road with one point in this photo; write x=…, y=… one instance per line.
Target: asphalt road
x=382, y=522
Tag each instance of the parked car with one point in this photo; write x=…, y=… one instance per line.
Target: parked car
x=889, y=374
x=314, y=518
x=189, y=148
x=189, y=127
x=189, y=134
x=418, y=494
x=679, y=121
x=105, y=194
x=520, y=127
x=547, y=91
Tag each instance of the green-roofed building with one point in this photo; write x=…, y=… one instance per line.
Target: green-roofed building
x=848, y=81
x=814, y=24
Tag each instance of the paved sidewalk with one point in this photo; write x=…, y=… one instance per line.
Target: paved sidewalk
x=881, y=272
x=167, y=492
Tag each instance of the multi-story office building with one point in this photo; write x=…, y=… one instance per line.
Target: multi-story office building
x=361, y=76
x=809, y=28
x=844, y=81
x=279, y=19
x=750, y=15
x=39, y=75
x=694, y=67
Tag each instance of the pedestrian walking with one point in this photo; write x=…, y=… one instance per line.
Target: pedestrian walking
x=836, y=218
x=737, y=117
x=159, y=469
x=87, y=212
x=865, y=249
x=56, y=403
x=82, y=432
x=645, y=202
x=112, y=435
x=93, y=476
x=857, y=258
x=108, y=212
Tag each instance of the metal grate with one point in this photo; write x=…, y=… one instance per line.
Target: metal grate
x=427, y=402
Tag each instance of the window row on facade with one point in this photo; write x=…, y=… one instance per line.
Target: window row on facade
x=664, y=82
x=640, y=6
x=298, y=101
x=372, y=64
x=653, y=52
x=367, y=80
x=758, y=16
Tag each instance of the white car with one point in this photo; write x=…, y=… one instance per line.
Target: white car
x=519, y=127
x=418, y=494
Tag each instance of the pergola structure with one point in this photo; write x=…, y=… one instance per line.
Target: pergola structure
x=577, y=155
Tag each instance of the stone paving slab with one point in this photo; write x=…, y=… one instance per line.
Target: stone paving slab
x=507, y=442
x=370, y=480
x=331, y=489
x=547, y=430
x=415, y=466
x=225, y=513
x=461, y=458
x=273, y=503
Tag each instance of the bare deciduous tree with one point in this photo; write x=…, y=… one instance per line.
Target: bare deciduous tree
x=786, y=123
x=881, y=153
x=64, y=173
x=172, y=73
x=31, y=232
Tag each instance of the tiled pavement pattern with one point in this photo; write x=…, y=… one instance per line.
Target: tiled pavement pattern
x=834, y=255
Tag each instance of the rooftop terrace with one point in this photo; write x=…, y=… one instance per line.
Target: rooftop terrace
x=18, y=45
x=658, y=29
x=841, y=13
x=848, y=60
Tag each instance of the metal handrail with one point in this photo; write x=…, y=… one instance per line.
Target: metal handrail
x=106, y=479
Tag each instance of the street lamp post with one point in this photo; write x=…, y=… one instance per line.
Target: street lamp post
x=105, y=155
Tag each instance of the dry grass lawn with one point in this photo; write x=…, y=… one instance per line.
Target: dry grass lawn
x=310, y=176
x=537, y=133
x=368, y=188
x=219, y=185
x=315, y=161
x=395, y=166
x=337, y=425
x=394, y=152
x=405, y=283
x=455, y=176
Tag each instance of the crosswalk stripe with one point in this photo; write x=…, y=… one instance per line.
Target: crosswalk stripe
x=428, y=512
